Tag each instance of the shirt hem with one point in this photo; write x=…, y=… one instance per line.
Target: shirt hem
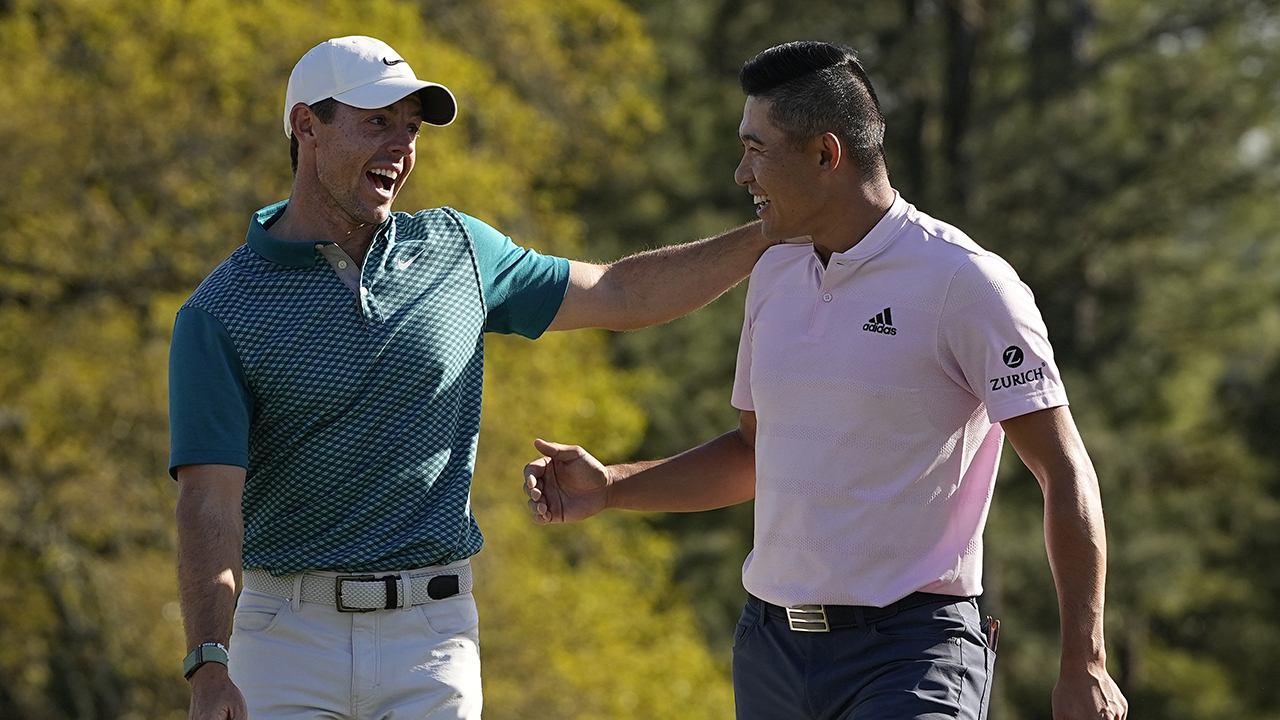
x=1028, y=404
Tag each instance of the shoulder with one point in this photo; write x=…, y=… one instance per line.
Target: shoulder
x=442, y=223
x=226, y=282
x=781, y=266
x=950, y=251
x=780, y=261
x=942, y=241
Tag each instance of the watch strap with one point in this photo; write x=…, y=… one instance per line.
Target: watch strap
x=206, y=653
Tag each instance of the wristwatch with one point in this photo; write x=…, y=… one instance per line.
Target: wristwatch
x=206, y=653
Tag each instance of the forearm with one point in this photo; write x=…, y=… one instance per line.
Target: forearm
x=658, y=285
x=713, y=475
x=669, y=282
x=1048, y=442
x=210, y=537
x=1077, y=548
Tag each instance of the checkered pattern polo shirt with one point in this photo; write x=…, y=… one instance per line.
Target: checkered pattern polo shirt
x=352, y=395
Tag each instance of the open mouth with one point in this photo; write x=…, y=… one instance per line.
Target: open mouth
x=382, y=178
x=761, y=201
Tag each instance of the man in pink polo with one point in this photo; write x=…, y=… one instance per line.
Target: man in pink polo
x=878, y=372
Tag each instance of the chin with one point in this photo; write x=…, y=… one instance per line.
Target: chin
x=376, y=215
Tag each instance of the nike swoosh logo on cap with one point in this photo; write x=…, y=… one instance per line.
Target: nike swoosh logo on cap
x=389, y=63
x=402, y=264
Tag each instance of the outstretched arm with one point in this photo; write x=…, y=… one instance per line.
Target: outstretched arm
x=567, y=484
x=1047, y=441
x=210, y=535
x=658, y=285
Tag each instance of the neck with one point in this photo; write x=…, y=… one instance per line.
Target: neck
x=307, y=219
x=851, y=216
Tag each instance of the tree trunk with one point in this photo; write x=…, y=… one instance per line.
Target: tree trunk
x=962, y=19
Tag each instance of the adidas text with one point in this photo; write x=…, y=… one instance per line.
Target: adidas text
x=880, y=328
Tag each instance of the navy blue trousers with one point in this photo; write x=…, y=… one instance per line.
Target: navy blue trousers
x=928, y=661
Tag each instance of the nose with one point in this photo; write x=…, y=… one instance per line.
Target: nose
x=401, y=143
x=742, y=174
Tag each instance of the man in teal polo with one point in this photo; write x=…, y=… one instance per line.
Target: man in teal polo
x=325, y=386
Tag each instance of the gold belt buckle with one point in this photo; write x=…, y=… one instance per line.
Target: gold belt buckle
x=808, y=618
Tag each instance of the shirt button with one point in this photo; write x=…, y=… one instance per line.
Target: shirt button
x=826, y=297
x=342, y=264
x=364, y=291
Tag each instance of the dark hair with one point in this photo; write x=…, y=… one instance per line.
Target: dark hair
x=324, y=110
x=817, y=87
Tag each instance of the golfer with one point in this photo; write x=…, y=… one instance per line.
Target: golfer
x=878, y=372
x=325, y=387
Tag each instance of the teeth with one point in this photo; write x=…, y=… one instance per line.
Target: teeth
x=385, y=173
x=760, y=199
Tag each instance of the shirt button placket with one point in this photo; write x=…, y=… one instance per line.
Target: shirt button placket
x=821, y=311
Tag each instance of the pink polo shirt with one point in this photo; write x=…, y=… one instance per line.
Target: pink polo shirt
x=877, y=382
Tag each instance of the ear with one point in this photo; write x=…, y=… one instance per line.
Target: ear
x=831, y=151
x=303, y=121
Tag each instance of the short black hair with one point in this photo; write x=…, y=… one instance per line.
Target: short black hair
x=818, y=87
x=324, y=110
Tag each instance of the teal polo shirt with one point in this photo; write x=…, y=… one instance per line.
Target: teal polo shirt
x=351, y=395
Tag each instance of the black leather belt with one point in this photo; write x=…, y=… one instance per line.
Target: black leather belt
x=825, y=618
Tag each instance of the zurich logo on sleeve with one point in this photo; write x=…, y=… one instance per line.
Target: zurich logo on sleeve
x=1013, y=357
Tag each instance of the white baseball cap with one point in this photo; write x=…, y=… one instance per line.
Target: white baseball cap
x=366, y=73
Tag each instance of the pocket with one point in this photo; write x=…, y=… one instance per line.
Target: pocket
x=941, y=621
x=455, y=615
x=257, y=612
x=747, y=624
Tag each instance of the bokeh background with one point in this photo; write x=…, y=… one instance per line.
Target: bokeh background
x=1120, y=153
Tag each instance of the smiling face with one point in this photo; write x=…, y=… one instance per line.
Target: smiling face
x=781, y=177
x=363, y=157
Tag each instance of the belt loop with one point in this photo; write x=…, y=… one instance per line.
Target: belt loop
x=860, y=616
x=295, y=602
x=406, y=581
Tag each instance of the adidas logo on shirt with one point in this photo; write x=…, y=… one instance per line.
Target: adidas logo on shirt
x=881, y=323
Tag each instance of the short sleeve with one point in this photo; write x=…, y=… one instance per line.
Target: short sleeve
x=210, y=405
x=742, y=398
x=992, y=340
x=523, y=289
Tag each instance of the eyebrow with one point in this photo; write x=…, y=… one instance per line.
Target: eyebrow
x=387, y=108
x=752, y=138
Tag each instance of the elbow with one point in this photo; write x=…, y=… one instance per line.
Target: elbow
x=624, y=308
x=626, y=323
x=188, y=511
x=205, y=502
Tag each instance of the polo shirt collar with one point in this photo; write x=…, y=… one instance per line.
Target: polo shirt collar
x=882, y=234
x=285, y=252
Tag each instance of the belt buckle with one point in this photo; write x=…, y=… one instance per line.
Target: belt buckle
x=808, y=618
x=337, y=592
